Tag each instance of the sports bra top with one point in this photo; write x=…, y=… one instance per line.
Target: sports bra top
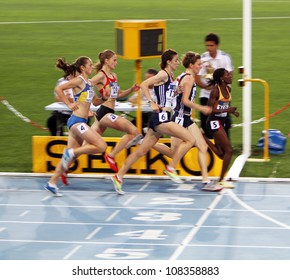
x=222, y=103
x=86, y=94
x=113, y=84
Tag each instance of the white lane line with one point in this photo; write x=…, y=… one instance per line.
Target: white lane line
x=189, y=226
x=24, y=213
x=74, y=250
x=274, y=171
x=2, y=229
x=130, y=199
x=76, y=21
x=255, y=211
x=275, y=1
x=144, y=187
x=185, y=187
x=46, y=198
x=140, y=244
x=196, y=227
x=253, y=18
x=93, y=233
x=114, y=214
x=149, y=207
x=283, y=181
x=240, y=246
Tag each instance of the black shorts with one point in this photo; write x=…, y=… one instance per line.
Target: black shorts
x=184, y=121
x=102, y=111
x=158, y=118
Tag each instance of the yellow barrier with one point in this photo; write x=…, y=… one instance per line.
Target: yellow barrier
x=266, y=116
x=47, y=151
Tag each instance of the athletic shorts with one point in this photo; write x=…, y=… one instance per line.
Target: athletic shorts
x=214, y=124
x=74, y=119
x=102, y=111
x=158, y=118
x=184, y=121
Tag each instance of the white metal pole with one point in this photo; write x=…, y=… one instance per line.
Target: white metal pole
x=247, y=89
x=240, y=161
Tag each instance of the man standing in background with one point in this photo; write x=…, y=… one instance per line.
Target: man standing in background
x=134, y=100
x=212, y=59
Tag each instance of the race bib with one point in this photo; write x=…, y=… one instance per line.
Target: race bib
x=214, y=125
x=171, y=90
x=114, y=89
x=170, y=94
x=90, y=94
x=112, y=117
x=223, y=106
x=163, y=117
x=82, y=128
x=179, y=121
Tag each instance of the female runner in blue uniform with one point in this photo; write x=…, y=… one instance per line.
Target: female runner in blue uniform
x=185, y=103
x=160, y=122
x=79, y=131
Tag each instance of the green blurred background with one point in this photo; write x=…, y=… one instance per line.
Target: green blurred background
x=33, y=34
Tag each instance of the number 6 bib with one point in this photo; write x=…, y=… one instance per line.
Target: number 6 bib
x=163, y=116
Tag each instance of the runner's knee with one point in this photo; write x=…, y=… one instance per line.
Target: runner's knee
x=101, y=147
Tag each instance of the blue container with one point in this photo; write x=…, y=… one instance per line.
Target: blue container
x=277, y=141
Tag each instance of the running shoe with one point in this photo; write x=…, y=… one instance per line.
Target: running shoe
x=212, y=186
x=172, y=173
x=67, y=158
x=64, y=179
x=52, y=189
x=117, y=184
x=136, y=140
x=228, y=184
x=111, y=161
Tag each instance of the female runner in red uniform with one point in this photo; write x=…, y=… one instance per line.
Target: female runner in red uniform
x=107, y=83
